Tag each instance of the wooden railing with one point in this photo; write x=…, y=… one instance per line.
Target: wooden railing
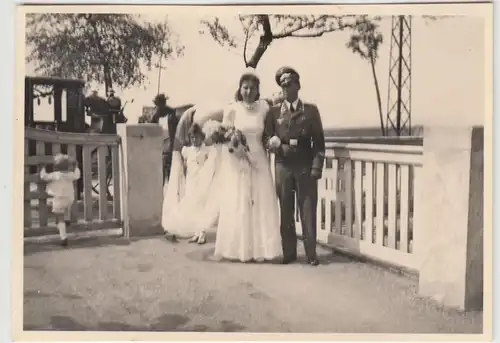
x=98, y=160
x=366, y=201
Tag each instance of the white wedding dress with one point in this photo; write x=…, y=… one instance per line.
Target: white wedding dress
x=228, y=195
x=248, y=226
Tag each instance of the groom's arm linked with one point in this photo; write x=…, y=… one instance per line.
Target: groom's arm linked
x=269, y=129
x=307, y=128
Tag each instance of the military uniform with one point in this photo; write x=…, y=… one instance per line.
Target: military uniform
x=299, y=163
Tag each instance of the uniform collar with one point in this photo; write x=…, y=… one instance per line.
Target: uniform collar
x=295, y=104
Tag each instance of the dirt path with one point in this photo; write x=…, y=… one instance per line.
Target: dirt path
x=155, y=285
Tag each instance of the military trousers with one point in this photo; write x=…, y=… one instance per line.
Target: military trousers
x=295, y=182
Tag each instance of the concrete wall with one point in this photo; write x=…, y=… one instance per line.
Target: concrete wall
x=141, y=177
x=449, y=224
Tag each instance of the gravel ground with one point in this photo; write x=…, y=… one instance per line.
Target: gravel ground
x=109, y=285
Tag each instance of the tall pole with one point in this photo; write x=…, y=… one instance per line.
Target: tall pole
x=398, y=121
x=400, y=76
x=159, y=73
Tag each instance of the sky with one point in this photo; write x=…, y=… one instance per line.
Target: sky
x=448, y=73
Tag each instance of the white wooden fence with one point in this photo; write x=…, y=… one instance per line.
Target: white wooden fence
x=365, y=200
x=100, y=171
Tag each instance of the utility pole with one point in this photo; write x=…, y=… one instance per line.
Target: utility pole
x=398, y=121
x=159, y=73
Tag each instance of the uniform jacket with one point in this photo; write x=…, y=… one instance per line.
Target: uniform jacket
x=305, y=126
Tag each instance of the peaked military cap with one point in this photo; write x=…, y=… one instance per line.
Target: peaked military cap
x=286, y=74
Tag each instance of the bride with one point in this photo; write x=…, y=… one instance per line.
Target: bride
x=243, y=206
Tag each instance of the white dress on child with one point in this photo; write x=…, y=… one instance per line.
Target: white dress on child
x=61, y=187
x=248, y=227
x=197, y=208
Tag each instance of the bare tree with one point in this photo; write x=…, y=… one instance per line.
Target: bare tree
x=269, y=28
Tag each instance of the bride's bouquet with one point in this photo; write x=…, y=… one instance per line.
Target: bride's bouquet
x=236, y=141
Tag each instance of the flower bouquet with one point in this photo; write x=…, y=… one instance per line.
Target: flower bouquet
x=236, y=141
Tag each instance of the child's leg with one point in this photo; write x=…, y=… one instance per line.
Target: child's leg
x=59, y=207
x=61, y=226
x=68, y=215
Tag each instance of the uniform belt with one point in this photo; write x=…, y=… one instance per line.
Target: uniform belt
x=302, y=143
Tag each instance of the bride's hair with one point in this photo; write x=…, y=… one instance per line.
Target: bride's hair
x=247, y=77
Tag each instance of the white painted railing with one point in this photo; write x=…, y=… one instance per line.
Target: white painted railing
x=365, y=203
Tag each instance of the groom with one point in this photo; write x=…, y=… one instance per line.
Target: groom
x=299, y=162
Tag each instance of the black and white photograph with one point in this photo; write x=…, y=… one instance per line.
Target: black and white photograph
x=253, y=169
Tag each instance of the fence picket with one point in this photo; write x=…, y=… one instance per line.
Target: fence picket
x=71, y=151
x=348, y=197
x=404, y=213
x=87, y=183
x=115, y=165
x=369, y=202
x=103, y=186
x=358, y=199
x=392, y=206
x=56, y=148
x=379, y=222
x=27, y=186
x=43, y=212
x=338, y=197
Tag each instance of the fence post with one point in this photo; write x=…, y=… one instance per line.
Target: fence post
x=449, y=217
x=141, y=178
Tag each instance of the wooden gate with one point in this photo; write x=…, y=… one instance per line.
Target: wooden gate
x=96, y=210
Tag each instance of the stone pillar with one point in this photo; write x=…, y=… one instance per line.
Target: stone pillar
x=449, y=217
x=141, y=178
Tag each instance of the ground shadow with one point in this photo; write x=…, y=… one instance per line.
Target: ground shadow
x=38, y=294
x=206, y=253
x=170, y=322
x=79, y=243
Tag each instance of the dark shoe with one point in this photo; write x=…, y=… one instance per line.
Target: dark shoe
x=170, y=237
x=288, y=260
x=314, y=262
x=64, y=242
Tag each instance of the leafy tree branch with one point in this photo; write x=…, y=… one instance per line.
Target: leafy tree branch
x=110, y=49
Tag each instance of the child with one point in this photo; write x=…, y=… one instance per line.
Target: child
x=194, y=157
x=60, y=187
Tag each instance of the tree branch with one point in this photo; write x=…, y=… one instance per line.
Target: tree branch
x=245, y=47
x=295, y=32
x=264, y=41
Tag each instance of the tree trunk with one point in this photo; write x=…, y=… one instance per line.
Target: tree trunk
x=379, y=101
x=264, y=42
x=108, y=82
